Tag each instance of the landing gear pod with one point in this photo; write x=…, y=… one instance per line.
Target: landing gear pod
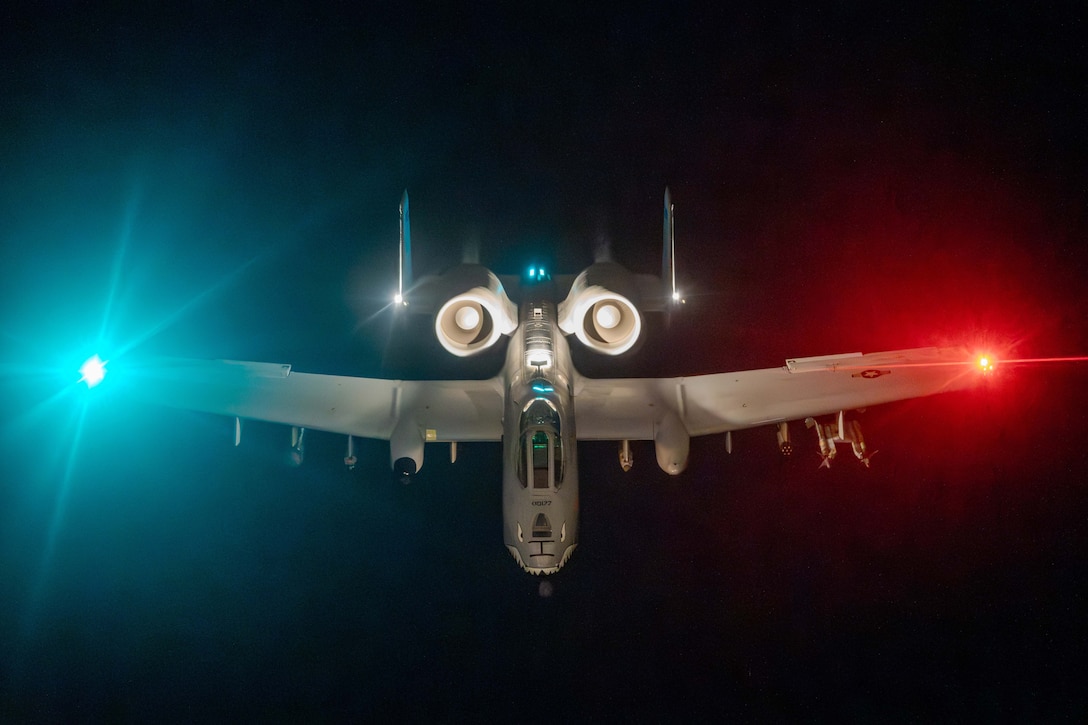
x=404, y=469
x=671, y=444
x=406, y=450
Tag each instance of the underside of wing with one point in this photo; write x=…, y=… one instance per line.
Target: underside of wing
x=448, y=410
x=631, y=408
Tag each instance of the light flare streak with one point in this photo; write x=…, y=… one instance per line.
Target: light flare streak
x=990, y=363
x=188, y=306
x=56, y=521
x=1035, y=360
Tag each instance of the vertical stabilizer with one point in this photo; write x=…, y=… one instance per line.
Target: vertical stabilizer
x=668, y=254
x=404, y=266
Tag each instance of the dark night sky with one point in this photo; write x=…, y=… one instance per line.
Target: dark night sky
x=224, y=184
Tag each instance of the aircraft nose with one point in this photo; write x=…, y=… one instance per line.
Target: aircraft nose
x=542, y=557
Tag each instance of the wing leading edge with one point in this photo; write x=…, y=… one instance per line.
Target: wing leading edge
x=446, y=410
x=632, y=408
x=606, y=409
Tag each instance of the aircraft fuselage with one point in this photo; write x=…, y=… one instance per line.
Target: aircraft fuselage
x=540, y=462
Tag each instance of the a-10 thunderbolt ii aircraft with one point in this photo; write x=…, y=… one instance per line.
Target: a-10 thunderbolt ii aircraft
x=539, y=406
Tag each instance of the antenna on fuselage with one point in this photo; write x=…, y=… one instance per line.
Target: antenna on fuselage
x=404, y=266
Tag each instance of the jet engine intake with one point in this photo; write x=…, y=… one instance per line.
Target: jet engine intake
x=601, y=310
x=478, y=312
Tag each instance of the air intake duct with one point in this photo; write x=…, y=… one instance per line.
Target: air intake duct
x=601, y=309
x=478, y=312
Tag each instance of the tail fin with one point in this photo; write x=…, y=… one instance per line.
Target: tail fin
x=404, y=268
x=668, y=255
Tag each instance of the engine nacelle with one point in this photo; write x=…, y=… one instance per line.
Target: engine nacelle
x=476, y=313
x=601, y=310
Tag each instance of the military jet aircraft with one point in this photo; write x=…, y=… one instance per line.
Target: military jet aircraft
x=539, y=406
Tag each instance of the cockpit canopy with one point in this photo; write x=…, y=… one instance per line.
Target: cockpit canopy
x=540, y=449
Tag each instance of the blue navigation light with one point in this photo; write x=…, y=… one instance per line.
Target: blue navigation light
x=536, y=274
x=92, y=371
x=542, y=387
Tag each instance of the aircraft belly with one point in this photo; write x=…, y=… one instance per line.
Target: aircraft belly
x=540, y=461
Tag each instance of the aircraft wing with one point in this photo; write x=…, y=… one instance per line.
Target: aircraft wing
x=631, y=408
x=447, y=410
